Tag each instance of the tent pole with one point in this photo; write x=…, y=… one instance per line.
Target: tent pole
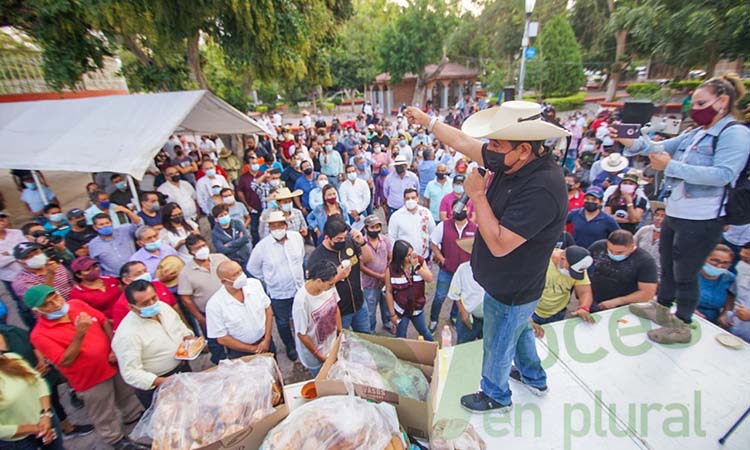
x=39, y=186
x=134, y=193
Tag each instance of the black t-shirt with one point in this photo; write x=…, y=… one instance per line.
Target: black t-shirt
x=532, y=203
x=611, y=279
x=620, y=205
x=384, y=140
x=349, y=289
x=121, y=198
x=77, y=239
x=565, y=240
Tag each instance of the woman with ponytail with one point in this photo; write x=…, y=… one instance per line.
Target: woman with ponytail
x=25, y=411
x=698, y=166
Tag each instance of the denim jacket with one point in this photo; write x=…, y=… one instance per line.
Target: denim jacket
x=706, y=170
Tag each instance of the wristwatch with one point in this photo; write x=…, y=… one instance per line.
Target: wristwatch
x=45, y=413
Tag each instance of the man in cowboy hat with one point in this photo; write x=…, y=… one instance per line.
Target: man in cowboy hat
x=611, y=166
x=520, y=212
x=294, y=218
x=397, y=182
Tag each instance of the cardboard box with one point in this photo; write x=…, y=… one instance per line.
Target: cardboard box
x=252, y=437
x=415, y=416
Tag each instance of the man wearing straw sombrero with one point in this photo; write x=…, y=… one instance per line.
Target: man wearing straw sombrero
x=520, y=210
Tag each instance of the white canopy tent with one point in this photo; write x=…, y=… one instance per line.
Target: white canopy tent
x=119, y=133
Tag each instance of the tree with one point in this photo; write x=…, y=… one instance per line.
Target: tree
x=415, y=39
x=691, y=33
x=259, y=39
x=560, y=59
x=589, y=19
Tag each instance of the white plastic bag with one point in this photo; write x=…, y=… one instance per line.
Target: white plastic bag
x=336, y=423
x=191, y=410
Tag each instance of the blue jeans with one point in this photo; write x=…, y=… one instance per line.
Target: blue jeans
x=442, y=286
x=315, y=371
x=508, y=337
x=469, y=334
x=553, y=318
x=418, y=321
x=282, y=315
x=373, y=298
x=358, y=321
x=32, y=443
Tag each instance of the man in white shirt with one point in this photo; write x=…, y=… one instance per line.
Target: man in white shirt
x=239, y=314
x=205, y=183
x=276, y=119
x=412, y=223
x=146, y=340
x=180, y=192
x=469, y=297
x=277, y=260
x=355, y=194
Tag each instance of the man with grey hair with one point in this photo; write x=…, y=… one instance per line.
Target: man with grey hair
x=152, y=251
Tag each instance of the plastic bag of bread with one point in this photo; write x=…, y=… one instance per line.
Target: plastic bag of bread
x=341, y=422
x=455, y=434
x=191, y=410
x=363, y=362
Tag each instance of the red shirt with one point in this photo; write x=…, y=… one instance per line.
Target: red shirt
x=574, y=202
x=91, y=366
x=101, y=300
x=447, y=201
x=120, y=308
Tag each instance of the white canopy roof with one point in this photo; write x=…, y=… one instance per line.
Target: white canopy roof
x=119, y=133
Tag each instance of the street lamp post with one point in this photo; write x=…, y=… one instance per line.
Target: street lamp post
x=524, y=46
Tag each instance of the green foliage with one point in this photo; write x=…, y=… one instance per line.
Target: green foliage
x=261, y=109
x=416, y=37
x=685, y=85
x=567, y=103
x=560, y=59
x=589, y=19
x=643, y=90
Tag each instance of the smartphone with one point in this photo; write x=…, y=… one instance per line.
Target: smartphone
x=482, y=171
x=628, y=130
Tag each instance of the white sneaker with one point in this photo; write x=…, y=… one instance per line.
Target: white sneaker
x=433, y=326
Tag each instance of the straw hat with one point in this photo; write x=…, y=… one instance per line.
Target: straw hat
x=274, y=216
x=512, y=121
x=400, y=160
x=169, y=263
x=466, y=244
x=283, y=194
x=614, y=163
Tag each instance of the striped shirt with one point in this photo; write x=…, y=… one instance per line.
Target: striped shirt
x=25, y=280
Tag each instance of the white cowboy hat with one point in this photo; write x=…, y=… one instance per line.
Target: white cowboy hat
x=614, y=163
x=275, y=216
x=512, y=121
x=283, y=194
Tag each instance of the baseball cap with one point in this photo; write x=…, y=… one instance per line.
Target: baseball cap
x=372, y=219
x=459, y=178
x=595, y=191
x=82, y=263
x=36, y=295
x=75, y=212
x=579, y=260
x=22, y=250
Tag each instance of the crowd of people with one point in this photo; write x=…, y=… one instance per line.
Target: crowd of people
x=294, y=237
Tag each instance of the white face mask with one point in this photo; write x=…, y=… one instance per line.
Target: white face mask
x=37, y=261
x=351, y=176
x=228, y=200
x=627, y=188
x=410, y=204
x=202, y=254
x=322, y=183
x=563, y=272
x=240, y=281
x=286, y=207
x=278, y=234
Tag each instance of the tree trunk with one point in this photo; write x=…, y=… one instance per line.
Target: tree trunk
x=194, y=61
x=423, y=80
x=713, y=60
x=621, y=37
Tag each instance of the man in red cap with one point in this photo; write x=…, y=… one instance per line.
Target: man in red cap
x=99, y=291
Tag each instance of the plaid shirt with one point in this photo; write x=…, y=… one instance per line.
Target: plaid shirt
x=295, y=221
x=263, y=190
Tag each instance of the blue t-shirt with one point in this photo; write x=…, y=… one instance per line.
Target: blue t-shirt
x=427, y=170
x=306, y=186
x=587, y=232
x=714, y=294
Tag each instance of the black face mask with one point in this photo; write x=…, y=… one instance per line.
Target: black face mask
x=373, y=234
x=495, y=161
x=571, y=187
x=81, y=223
x=175, y=178
x=176, y=219
x=307, y=171
x=440, y=176
x=459, y=216
x=400, y=169
x=590, y=206
x=338, y=246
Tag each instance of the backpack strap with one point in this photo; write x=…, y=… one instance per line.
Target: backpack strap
x=744, y=171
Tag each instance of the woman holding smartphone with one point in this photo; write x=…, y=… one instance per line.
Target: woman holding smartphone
x=697, y=173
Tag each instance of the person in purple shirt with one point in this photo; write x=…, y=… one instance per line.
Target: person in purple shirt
x=152, y=251
x=397, y=182
x=113, y=247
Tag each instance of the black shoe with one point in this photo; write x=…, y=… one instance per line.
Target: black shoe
x=79, y=430
x=480, y=403
x=127, y=444
x=291, y=354
x=516, y=375
x=75, y=401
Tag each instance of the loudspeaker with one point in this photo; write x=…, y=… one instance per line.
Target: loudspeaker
x=639, y=112
x=509, y=94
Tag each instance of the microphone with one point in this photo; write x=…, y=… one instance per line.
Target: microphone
x=460, y=204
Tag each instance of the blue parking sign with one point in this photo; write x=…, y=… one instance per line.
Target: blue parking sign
x=531, y=53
